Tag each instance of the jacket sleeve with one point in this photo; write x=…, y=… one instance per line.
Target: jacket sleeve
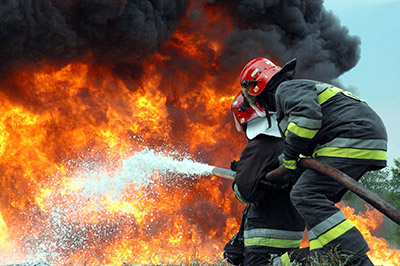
x=258, y=158
x=301, y=115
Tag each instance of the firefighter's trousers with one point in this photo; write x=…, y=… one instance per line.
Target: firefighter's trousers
x=257, y=241
x=314, y=196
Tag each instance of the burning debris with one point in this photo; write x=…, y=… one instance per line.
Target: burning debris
x=88, y=84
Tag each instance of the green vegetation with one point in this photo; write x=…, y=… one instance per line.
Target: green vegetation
x=385, y=183
x=331, y=258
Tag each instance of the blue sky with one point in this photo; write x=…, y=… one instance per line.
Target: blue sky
x=376, y=77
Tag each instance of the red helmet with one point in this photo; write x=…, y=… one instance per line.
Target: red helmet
x=243, y=112
x=255, y=76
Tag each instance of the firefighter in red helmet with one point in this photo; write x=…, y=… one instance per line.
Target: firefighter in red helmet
x=331, y=125
x=270, y=224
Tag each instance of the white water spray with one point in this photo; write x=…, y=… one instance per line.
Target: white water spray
x=93, y=183
x=141, y=168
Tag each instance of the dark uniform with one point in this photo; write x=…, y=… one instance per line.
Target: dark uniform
x=271, y=225
x=339, y=129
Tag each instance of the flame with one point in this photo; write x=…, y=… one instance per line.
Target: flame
x=56, y=121
x=72, y=118
x=367, y=223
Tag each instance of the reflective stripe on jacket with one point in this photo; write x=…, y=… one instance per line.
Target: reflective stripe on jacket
x=320, y=119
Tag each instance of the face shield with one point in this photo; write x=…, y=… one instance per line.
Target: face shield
x=251, y=99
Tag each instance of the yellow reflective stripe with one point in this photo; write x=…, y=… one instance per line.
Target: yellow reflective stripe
x=301, y=131
x=237, y=194
x=240, y=199
x=315, y=244
x=285, y=259
x=290, y=164
x=351, y=95
x=351, y=153
x=330, y=235
x=272, y=242
x=327, y=94
x=330, y=92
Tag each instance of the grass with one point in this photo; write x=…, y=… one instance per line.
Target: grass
x=332, y=258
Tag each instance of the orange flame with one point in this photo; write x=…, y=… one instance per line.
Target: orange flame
x=368, y=222
x=71, y=116
x=56, y=121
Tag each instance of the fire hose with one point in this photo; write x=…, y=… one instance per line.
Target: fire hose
x=348, y=182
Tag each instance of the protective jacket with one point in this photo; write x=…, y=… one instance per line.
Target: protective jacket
x=272, y=224
x=322, y=120
x=341, y=130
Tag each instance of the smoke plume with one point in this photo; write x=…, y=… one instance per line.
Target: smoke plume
x=285, y=29
x=118, y=31
x=35, y=31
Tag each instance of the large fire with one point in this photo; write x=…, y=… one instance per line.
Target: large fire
x=55, y=121
x=368, y=222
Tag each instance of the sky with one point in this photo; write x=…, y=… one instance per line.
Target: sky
x=376, y=77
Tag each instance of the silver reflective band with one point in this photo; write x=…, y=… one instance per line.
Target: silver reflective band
x=371, y=144
x=325, y=225
x=274, y=233
x=305, y=122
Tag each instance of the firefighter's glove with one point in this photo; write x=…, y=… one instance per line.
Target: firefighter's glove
x=290, y=160
x=234, y=164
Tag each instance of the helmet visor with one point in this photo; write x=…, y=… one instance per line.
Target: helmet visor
x=251, y=99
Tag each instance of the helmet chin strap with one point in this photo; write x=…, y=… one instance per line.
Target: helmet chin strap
x=269, y=120
x=267, y=101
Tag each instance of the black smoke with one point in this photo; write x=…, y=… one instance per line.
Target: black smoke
x=286, y=29
x=119, y=32
x=35, y=31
